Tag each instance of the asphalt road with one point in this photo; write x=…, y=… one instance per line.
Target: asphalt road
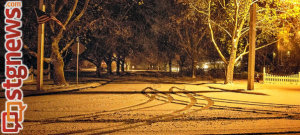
x=158, y=106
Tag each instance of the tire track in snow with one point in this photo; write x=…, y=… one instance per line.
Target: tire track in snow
x=165, y=117
x=261, y=111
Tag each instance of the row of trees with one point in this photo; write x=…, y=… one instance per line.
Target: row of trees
x=158, y=31
x=228, y=23
x=222, y=26
x=114, y=30
x=104, y=27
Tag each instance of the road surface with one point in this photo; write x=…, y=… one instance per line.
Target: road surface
x=140, y=104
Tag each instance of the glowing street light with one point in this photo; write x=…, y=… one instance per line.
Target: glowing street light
x=205, y=66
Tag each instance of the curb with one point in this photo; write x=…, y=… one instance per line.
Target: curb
x=28, y=93
x=243, y=91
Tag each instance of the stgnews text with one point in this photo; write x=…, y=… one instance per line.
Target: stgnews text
x=15, y=71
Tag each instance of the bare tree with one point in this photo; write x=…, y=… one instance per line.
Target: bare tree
x=68, y=12
x=231, y=18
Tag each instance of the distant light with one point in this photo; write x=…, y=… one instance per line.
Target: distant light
x=205, y=66
x=274, y=54
x=175, y=69
x=133, y=67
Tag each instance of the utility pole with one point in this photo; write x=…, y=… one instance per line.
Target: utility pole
x=252, y=36
x=40, y=58
x=77, y=53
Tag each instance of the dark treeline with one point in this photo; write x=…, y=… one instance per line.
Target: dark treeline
x=161, y=34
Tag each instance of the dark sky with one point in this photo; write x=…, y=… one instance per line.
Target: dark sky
x=2, y=50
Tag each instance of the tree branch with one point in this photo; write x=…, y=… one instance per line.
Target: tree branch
x=198, y=10
x=222, y=28
x=235, y=20
x=212, y=37
x=201, y=37
x=80, y=14
x=244, y=53
x=67, y=46
x=32, y=53
x=254, y=2
x=223, y=6
x=71, y=12
x=122, y=17
x=180, y=35
x=53, y=13
x=90, y=60
x=243, y=22
x=60, y=8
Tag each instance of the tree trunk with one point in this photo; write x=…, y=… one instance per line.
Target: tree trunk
x=128, y=67
x=170, y=65
x=58, y=65
x=181, y=62
x=123, y=64
x=230, y=66
x=98, y=71
x=194, y=64
x=108, y=63
x=180, y=68
x=118, y=65
x=229, y=73
x=194, y=59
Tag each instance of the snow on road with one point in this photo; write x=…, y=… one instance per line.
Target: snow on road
x=164, y=108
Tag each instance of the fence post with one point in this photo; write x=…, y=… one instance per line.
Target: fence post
x=299, y=78
x=48, y=76
x=264, y=76
x=31, y=73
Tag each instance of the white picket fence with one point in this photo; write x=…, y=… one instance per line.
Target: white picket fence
x=276, y=79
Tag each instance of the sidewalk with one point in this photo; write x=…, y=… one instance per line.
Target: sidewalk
x=241, y=85
x=29, y=87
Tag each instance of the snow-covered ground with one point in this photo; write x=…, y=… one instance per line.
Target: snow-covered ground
x=141, y=104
